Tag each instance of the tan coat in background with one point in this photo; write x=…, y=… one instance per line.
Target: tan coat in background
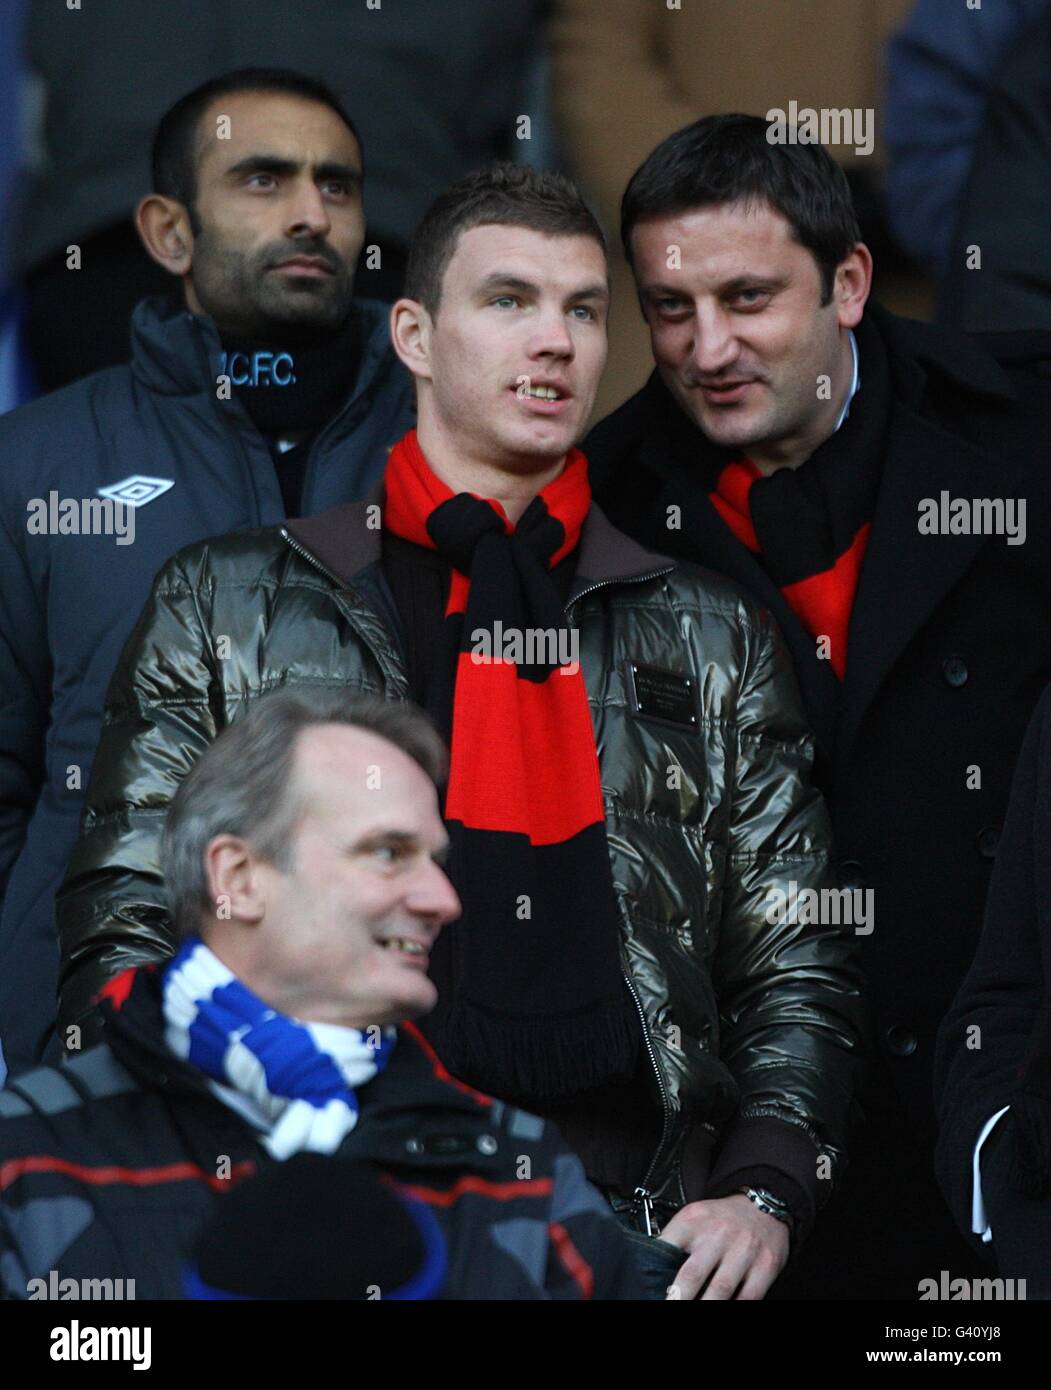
x=626, y=73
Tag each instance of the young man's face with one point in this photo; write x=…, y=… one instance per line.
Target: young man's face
x=281, y=215
x=739, y=333
x=518, y=344
x=346, y=932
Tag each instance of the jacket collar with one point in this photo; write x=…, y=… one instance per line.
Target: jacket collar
x=346, y=542
x=174, y=352
x=134, y=1018
x=906, y=575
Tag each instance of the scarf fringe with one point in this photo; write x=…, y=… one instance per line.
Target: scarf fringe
x=527, y=1060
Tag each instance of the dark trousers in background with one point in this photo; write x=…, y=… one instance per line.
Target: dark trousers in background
x=888, y=1227
x=1021, y=1225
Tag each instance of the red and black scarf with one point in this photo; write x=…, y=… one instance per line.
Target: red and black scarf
x=819, y=574
x=810, y=525
x=532, y=1004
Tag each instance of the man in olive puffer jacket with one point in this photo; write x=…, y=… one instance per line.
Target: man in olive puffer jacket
x=709, y=1096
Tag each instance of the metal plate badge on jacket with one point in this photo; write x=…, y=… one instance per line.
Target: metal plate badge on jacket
x=666, y=697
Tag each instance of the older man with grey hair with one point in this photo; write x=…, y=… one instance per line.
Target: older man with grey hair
x=302, y=863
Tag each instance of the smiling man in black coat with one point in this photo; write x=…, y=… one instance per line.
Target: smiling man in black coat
x=883, y=487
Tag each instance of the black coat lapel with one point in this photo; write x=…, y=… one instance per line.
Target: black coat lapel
x=906, y=574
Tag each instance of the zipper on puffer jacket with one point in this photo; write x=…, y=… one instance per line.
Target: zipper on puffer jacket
x=311, y=559
x=397, y=672
x=642, y=1194
x=606, y=583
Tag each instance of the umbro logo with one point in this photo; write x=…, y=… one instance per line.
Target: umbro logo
x=137, y=490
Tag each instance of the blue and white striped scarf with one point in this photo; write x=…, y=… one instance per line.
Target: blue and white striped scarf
x=295, y=1081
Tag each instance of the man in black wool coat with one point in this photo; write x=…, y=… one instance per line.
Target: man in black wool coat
x=882, y=486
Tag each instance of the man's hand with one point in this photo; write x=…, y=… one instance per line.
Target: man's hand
x=732, y=1245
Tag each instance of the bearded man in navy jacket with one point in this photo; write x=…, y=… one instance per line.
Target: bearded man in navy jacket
x=260, y=390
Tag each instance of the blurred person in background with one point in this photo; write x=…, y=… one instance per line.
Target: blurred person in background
x=940, y=70
x=626, y=73
x=435, y=91
x=999, y=273
x=258, y=388
x=15, y=378
x=321, y=1226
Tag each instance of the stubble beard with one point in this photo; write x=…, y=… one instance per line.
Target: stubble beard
x=241, y=293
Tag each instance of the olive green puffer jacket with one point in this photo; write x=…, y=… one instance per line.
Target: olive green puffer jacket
x=745, y=1022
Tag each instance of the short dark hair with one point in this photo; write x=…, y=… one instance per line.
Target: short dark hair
x=502, y=194
x=240, y=785
x=174, y=157
x=729, y=159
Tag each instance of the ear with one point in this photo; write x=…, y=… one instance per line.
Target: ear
x=235, y=887
x=410, y=333
x=852, y=285
x=163, y=225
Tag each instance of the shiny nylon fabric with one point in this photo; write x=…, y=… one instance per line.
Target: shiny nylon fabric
x=530, y=1007
x=743, y=1018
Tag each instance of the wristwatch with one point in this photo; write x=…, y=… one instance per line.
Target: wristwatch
x=773, y=1206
